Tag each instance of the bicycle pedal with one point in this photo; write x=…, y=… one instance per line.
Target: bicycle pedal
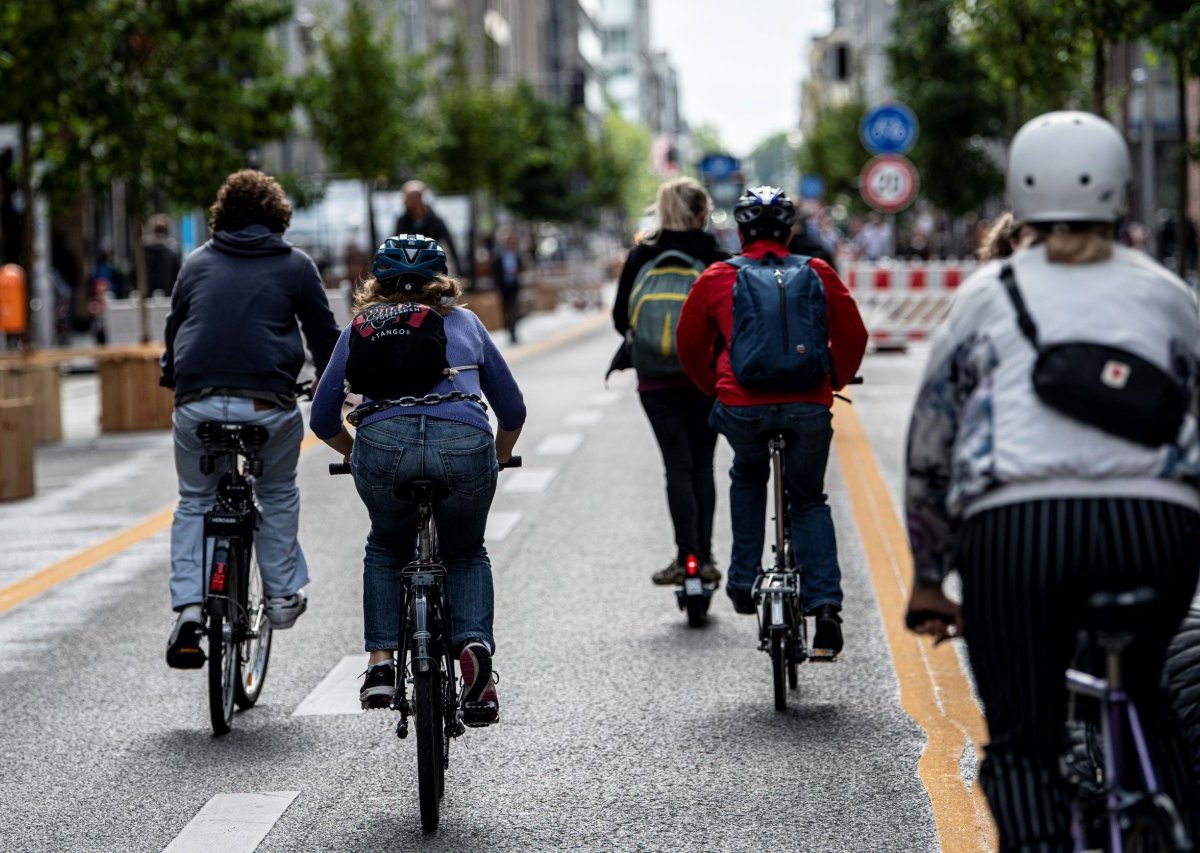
x=822, y=656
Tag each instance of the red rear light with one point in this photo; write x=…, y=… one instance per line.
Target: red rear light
x=692, y=567
x=217, y=584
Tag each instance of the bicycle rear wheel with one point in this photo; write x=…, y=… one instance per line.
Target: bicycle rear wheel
x=222, y=665
x=427, y=708
x=254, y=652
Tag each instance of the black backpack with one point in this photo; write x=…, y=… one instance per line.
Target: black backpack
x=396, y=351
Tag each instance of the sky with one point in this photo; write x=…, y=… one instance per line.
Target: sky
x=740, y=62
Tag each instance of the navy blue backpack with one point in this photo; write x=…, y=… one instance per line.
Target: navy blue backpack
x=780, y=339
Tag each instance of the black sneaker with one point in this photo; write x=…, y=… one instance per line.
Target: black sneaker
x=183, y=647
x=480, y=703
x=742, y=598
x=379, y=686
x=827, y=639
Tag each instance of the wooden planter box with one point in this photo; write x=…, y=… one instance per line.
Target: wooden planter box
x=16, y=449
x=41, y=382
x=130, y=396
x=486, y=304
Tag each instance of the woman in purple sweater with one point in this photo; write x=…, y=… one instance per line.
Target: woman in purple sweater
x=445, y=437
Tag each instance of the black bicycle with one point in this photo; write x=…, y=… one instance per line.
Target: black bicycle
x=1119, y=802
x=235, y=606
x=425, y=644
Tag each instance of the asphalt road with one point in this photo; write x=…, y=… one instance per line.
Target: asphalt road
x=622, y=729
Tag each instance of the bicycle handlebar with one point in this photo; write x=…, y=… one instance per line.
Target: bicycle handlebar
x=513, y=462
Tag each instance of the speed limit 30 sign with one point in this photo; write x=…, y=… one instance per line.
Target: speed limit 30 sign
x=889, y=183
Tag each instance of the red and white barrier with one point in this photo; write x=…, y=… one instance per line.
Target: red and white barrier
x=904, y=301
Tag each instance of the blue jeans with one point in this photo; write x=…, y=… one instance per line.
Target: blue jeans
x=396, y=450
x=284, y=570
x=804, y=463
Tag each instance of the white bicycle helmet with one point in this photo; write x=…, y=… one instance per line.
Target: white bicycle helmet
x=1068, y=167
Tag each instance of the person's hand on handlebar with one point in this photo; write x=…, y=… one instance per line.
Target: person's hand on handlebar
x=932, y=613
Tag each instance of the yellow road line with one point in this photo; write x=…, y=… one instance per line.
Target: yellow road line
x=934, y=691
x=79, y=562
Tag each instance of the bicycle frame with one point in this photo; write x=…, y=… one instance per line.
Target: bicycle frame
x=230, y=527
x=781, y=585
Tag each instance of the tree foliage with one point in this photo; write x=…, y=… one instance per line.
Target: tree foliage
x=834, y=152
x=958, y=107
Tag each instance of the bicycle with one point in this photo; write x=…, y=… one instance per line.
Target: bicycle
x=425, y=642
x=235, y=605
x=1136, y=814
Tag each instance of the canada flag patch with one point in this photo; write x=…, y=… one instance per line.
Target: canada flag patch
x=1115, y=374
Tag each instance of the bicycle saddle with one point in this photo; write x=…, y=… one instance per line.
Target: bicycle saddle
x=788, y=435
x=422, y=491
x=1120, y=610
x=232, y=438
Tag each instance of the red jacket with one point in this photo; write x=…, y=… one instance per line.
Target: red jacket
x=707, y=317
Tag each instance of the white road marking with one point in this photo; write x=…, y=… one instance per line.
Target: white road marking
x=338, y=691
x=559, y=444
x=232, y=823
x=528, y=480
x=584, y=417
x=500, y=523
x=604, y=398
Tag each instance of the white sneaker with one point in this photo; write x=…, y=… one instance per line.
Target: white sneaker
x=283, y=612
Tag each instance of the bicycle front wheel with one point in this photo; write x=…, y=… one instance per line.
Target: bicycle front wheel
x=254, y=652
x=428, y=711
x=222, y=665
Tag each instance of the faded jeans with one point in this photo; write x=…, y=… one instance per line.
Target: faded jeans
x=394, y=451
x=282, y=563
x=804, y=462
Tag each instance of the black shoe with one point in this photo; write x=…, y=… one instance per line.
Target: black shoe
x=183, y=647
x=742, y=598
x=827, y=639
x=480, y=702
x=379, y=686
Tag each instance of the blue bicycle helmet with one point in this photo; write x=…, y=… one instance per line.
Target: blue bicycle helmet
x=411, y=258
x=764, y=212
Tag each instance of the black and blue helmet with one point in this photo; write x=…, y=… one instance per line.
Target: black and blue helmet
x=764, y=212
x=411, y=258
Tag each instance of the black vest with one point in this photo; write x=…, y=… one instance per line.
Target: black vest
x=396, y=351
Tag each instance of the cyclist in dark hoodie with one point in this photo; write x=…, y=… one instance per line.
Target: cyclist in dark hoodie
x=233, y=353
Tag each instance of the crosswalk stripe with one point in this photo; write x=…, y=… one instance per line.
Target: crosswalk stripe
x=584, y=417
x=337, y=693
x=604, y=398
x=500, y=523
x=559, y=444
x=232, y=823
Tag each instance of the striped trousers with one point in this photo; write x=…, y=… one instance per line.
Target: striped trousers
x=1027, y=570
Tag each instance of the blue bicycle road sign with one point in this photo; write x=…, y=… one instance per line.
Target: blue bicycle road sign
x=888, y=128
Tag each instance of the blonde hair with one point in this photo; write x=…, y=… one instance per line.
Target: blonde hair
x=1086, y=244
x=442, y=293
x=1000, y=238
x=678, y=205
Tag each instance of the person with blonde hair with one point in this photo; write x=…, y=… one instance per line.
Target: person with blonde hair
x=1053, y=454
x=423, y=366
x=672, y=255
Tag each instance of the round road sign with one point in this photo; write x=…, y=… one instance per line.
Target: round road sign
x=889, y=183
x=888, y=128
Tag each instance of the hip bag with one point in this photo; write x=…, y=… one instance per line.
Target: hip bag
x=1103, y=386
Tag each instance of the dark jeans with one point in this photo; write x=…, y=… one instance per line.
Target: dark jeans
x=804, y=463
x=679, y=418
x=510, y=303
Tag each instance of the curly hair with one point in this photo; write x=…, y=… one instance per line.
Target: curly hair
x=249, y=197
x=442, y=293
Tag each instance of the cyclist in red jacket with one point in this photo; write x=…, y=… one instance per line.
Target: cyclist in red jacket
x=765, y=216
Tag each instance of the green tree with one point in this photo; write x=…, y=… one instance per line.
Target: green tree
x=958, y=107
x=551, y=152
x=834, y=152
x=365, y=103
x=619, y=167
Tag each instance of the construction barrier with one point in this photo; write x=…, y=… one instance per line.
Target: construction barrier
x=902, y=301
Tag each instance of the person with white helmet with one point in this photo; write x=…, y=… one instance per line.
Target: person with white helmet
x=1052, y=453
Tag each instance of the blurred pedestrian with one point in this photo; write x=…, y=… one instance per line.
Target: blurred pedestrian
x=419, y=218
x=507, y=266
x=162, y=257
x=875, y=239
x=110, y=275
